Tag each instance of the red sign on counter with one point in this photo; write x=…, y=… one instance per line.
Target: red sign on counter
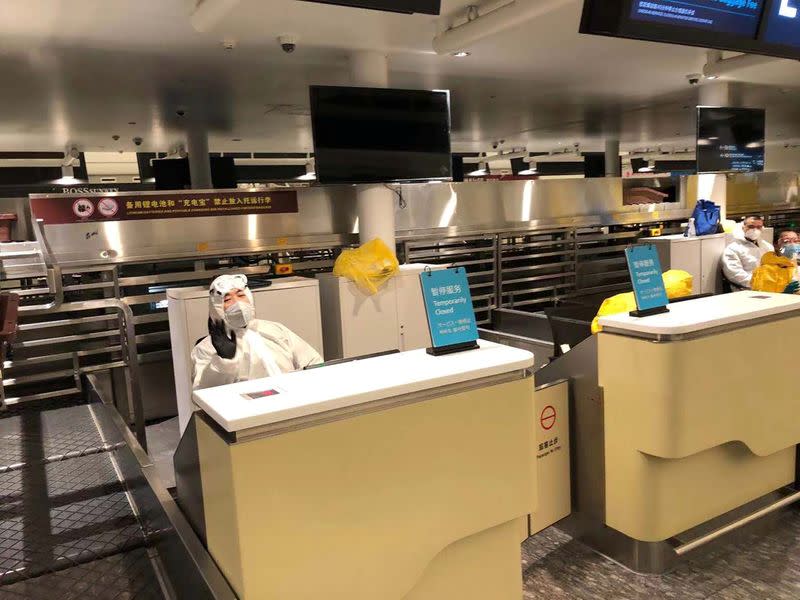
x=59, y=210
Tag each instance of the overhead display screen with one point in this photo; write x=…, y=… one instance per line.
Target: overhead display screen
x=730, y=139
x=428, y=7
x=783, y=23
x=377, y=135
x=735, y=17
x=770, y=27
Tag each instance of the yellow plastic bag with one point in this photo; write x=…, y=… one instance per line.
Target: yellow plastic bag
x=369, y=266
x=774, y=273
x=677, y=282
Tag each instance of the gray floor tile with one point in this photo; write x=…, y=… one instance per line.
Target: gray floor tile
x=742, y=589
x=762, y=565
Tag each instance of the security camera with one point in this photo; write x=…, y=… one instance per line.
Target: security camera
x=180, y=112
x=288, y=43
x=115, y=137
x=137, y=141
x=694, y=78
x=495, y=145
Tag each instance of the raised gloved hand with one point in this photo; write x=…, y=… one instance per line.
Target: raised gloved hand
x=792, y=288
x=224, y=344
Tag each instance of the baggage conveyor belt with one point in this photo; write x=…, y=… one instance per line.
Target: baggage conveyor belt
x=68, y=525
x=79, y=517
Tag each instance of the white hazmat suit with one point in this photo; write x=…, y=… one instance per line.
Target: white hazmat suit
x=263, y=348
x=742, y=257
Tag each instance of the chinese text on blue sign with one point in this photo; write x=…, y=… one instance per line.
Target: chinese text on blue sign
x=448, y=303
x=645, y=270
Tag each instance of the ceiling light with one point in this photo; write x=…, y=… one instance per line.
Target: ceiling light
x=712, y=77
x=461, y=54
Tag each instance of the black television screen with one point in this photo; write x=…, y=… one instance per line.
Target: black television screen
x=730, y=139
x=374, y=135
x=223, y=172
x=172, y=174
x=428, y=7
x=752, y=26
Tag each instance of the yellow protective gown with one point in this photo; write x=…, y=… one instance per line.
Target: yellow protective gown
x=678, y=284
x=774, y=273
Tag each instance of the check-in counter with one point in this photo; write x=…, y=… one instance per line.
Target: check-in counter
x=400, y=477
x=682, y=423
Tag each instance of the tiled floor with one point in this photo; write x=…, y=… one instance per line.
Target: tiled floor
x=762, y=566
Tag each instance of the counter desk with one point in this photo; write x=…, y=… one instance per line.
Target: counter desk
x=400, y=477
x=683, y=422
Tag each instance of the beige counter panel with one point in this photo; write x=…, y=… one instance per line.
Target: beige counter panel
x=695, y=428
x=688, y=396
x=417, y=502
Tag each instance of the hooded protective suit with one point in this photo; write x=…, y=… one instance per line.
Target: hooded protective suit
x=742, y=257
x=263, y=348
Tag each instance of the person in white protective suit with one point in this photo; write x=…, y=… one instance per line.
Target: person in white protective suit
x=744, y=254
x=240, y=347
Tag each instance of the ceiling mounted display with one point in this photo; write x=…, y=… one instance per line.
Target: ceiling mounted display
x=428, y=7
x=770, y=27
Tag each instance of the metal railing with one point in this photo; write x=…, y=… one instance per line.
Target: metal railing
x=56, y=305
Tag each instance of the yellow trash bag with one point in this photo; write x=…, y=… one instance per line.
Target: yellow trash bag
x=774, y=273
x=677, y=282
x=369, y=266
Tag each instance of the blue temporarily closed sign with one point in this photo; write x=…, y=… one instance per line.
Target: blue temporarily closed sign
x=448, y=303
x=645, y=270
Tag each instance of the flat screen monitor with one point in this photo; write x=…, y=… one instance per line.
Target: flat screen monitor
x=172, y=174
x=730, y=139
x=782, y=24
x=223, y=172
x=428, y=7
x=375, y=135
x=770, y=27
x=733, y=17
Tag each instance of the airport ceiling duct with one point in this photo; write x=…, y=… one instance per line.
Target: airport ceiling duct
x=496, y=19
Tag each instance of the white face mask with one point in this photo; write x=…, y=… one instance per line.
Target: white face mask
x=753, y=234
x=239, y=315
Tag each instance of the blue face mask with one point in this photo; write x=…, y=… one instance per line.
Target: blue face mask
x=791, y=250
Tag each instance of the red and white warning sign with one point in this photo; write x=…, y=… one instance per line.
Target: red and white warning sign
x=83, y=208
x=108, y=207
x=548, y=418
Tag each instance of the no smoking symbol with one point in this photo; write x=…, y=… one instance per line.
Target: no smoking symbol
x=548, y=418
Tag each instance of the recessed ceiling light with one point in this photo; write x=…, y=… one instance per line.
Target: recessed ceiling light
x=236, y=140
x=461, y=54
x=131, y=122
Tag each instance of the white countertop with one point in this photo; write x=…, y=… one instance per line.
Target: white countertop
x=705, y=313
x=200, y=291
x=305, y=393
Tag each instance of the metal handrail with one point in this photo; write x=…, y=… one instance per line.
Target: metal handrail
x=127, y=327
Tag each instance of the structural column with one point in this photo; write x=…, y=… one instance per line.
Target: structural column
x=199, y=162
x=613, y=167
x=375, y=203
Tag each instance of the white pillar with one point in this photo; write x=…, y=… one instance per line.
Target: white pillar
x=369, y=69
x=199, y=163
x=717, y=93
x=613, y=167
x=375, y=203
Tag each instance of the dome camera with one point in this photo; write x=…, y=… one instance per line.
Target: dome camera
x=288, y=43
x=694, y=78
x=137, y=141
